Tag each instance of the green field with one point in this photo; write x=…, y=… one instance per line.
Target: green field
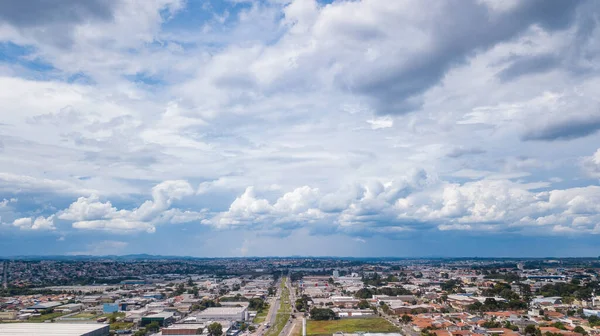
x=262, y=315
x=84, y=315
x=351, y=325
x=45, y=317
x=284, y=312
x=121, y=325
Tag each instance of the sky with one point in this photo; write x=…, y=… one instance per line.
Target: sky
x=300, y=127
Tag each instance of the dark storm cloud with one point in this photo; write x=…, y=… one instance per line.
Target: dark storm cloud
x=466, y=27
x=529, y=65
x=52, y=20
x=29, y=13
x=564, y=130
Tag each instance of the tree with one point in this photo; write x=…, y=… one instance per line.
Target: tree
x=256, y=304
x=363, y=304
x=322, y=314
x=530, y=329
x=364, y=293
x=153, y=326
x=406, y=319
x=251, y=328
x=215, y=329
x=580, y=330
x=141, y=332
x=199, y=331
x=190, y=282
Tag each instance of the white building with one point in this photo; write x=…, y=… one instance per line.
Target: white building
x=54, y=329
x=223, y=314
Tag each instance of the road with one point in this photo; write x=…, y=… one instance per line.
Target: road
x=272, y=313
x=406, y=330
x=291, y=323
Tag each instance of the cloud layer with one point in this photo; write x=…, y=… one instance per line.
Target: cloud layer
x=349, y=119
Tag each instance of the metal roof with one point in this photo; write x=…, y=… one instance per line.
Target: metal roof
x=49, y=329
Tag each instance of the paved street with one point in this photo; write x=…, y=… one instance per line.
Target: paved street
x=273, y=308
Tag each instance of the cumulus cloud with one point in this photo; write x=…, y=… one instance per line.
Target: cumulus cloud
x=36, y=224
x=92, y=214
x=394, y=208
x=591, y=164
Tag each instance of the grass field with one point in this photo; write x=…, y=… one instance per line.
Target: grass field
x=351, y=325
x=283, y=313
x=84, y=315
x=45, y=317
x=262, y=315
x=121, y=325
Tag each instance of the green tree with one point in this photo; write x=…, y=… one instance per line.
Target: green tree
x=580, y=330
x=153, y=326
x=530, y=329
x=406, y=319
x=363, y=304
x=322, y=314
x=141, y=332
x=215, y=329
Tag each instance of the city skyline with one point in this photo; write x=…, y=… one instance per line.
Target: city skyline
x=297, y=127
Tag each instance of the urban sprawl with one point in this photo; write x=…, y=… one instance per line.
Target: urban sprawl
x=146, y=295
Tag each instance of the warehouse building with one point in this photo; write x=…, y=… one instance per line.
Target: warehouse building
x=54, y=329
x=223, y=314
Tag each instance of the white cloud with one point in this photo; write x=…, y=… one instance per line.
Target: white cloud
x=383, y=122
x=284, y=97
x=5, y=202
x=591, y=164
x=89, y=213
x=39, y=223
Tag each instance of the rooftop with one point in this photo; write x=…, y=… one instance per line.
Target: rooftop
x=49, y=329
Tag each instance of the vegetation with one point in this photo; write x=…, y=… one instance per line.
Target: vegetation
x=364, y=304
x=594, y=321
x=322, y=314
x=354, y=325
x=406, y=319
x=121, y=326
x=367, y=293
x=572, y=289
x=451, y=286
x=284, y=312
x=45, y=317
x=491, y=304
x=153, y=326
x=215, y=329
x=531, y=330
x=508, y=277
x=261, y=316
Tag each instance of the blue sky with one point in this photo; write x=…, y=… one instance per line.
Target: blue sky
x=300, y=127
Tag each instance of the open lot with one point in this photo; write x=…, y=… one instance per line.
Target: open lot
x=351, y=325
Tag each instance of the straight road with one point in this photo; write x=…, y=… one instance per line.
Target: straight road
x=291, y=323
x=272, y=313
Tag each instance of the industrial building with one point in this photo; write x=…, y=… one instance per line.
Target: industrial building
x=54, y=329
x=223, y=314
